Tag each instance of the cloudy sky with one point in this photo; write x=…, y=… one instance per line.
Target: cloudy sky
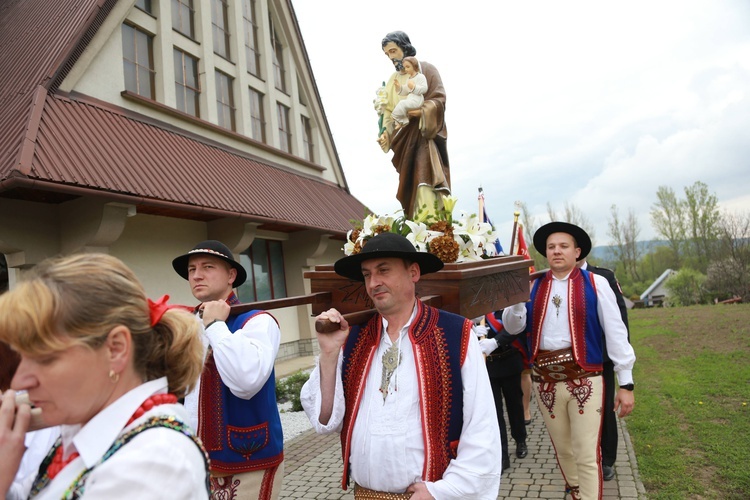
x=589, y=103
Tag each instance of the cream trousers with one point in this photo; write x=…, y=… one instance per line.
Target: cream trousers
x=572, y=412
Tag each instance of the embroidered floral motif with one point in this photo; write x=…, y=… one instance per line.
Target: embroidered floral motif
x=581, y=390
x=78, y=487
x=224, y=488
x=547, y=396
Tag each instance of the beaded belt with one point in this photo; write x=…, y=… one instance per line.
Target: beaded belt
x=361, y=493
x=557, y=366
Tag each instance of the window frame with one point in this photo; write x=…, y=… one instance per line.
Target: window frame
x=273, y=249
x=285, y=132
x=220, y=32
x=183, y=87
x=308, y=146
x=222, y=104
x=137, y=66
x=252, y=54
x=145, y=5
x=257, y=115
x=279, y=71
x=178, y=8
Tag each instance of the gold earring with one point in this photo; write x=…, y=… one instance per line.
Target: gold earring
x=114, y=377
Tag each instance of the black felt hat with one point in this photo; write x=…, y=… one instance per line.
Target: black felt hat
x=386, y=245
x=216, y=249
x=582, y=238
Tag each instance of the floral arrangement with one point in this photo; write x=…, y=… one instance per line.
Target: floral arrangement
x=380, y=101
x=435, y=231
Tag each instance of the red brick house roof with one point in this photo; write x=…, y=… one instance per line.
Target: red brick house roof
x=56, y=146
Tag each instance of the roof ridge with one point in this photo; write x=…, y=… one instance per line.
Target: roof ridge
x=28, y=145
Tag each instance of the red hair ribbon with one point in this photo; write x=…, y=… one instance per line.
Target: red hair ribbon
x=156, y=309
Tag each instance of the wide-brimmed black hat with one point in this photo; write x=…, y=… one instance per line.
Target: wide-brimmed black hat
x=386, y=245
x=582, y=239
x=215, y=249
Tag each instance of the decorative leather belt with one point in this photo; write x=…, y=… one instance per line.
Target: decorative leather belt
x=361, y=493
x=558, y=366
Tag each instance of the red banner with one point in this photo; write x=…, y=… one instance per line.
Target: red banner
x=523, y=249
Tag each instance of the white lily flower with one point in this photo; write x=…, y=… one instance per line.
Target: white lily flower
x=368, y=225
x=418, y=235
x=385, y=220
x=348, y=248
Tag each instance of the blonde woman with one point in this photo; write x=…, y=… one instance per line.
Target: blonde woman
x=106, y=364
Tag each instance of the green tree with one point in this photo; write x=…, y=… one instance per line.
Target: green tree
x=529, y=228
x=625, y=235
x=574, y=215
x=686, y=287
x=702, y=213
x=728, y=274
x=668, y=219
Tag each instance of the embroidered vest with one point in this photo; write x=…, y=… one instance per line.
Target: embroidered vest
x=439, y=341
x=240, y=435
x=78, y=487
x=586, y=332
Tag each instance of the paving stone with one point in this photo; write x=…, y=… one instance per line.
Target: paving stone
x=313, y=469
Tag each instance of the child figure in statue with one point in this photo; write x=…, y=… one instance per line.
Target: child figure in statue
x=414, y=90
x=420, y=154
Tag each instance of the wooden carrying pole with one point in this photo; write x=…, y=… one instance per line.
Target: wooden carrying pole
x=313, y=298
x=361, y=317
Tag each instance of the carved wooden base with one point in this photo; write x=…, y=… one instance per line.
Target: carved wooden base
x=471, y=289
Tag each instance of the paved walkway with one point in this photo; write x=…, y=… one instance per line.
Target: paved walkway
x=313, y=468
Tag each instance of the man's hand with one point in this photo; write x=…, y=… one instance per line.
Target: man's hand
x=215, y=310
x=330, y=347
x=480, y=331
x=624, y=402
x=330, y=343
x=419, y=491
x=488, y=345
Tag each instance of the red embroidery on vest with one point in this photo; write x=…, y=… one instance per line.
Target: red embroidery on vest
x=577, y=316
x=431, y=356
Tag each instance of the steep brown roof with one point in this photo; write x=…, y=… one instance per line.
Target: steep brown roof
x=55, y=146
x=36, y=39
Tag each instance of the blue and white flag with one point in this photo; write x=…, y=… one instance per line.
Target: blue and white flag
x=498, y=247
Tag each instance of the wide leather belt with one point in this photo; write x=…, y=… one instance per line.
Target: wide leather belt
x=361, y=493
x=558, y=366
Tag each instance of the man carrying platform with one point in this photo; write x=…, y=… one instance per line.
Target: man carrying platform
x=408, y=390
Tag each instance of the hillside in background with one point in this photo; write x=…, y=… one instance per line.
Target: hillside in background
x=606, y=253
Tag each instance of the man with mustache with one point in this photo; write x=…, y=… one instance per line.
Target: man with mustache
x=408, y=390
x=420, y=153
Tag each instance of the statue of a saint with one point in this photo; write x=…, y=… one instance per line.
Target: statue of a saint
x=419, y=148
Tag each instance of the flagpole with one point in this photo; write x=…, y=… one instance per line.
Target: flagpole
x=480, y=199
x=516, y=213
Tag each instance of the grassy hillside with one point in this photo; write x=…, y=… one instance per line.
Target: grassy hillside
x=691, y=423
